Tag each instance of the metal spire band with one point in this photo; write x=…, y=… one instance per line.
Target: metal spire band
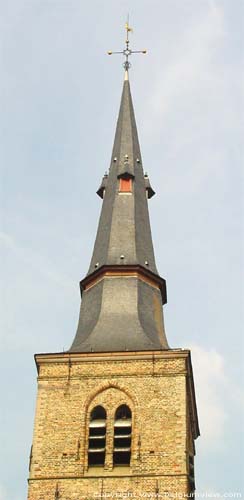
x=127, y=51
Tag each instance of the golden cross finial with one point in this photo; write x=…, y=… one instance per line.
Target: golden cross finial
x=127, y=51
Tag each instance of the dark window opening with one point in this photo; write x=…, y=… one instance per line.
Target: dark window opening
x=98, y=413
x=123, y=412
x=94, y=444
x=97, y=437
x=122, y=442
x=96, y=459
x=121, y=431
x=122, y=436
x=122, y=458
x=96, y=431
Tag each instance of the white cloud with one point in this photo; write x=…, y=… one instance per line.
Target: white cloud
x=3, y=493
x=191, y=66
x=216, y=395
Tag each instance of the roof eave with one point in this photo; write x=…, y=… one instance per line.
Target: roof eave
x=122, y=269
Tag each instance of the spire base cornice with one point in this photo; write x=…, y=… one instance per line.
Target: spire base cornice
x=123, y=271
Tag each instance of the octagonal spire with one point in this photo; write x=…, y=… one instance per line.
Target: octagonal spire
x=122, y=294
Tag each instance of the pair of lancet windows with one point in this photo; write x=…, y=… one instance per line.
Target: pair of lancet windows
x=121, y=437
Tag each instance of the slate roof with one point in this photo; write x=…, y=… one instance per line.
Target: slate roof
x=124, y=227
x=123, y=313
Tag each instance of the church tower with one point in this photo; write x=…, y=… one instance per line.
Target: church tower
x=116, y=414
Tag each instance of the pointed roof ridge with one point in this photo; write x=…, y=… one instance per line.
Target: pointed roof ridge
x=124, y=226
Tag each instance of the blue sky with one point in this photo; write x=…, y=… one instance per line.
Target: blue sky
x=60, y=96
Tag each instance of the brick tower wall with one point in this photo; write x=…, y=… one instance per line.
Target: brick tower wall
x=156, y=388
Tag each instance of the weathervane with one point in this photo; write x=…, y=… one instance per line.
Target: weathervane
x=127, y=51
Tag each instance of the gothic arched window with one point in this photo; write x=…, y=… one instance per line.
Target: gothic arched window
x=122, y=436
x=97, y=437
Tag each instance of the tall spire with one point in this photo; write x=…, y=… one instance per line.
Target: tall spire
x=124, y=234
x=122, y=294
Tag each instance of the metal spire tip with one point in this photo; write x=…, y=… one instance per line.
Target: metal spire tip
x=127, y=52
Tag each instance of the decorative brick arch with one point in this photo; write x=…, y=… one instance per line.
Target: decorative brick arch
x=128, y=399
x=106, y=386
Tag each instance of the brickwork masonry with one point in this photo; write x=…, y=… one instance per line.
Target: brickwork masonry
x=157, y=387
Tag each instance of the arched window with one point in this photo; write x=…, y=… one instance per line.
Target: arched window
x=97, y=437
x=122, y=436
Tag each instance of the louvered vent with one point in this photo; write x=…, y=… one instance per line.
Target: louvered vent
x=122, y=436
x=97, y=437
